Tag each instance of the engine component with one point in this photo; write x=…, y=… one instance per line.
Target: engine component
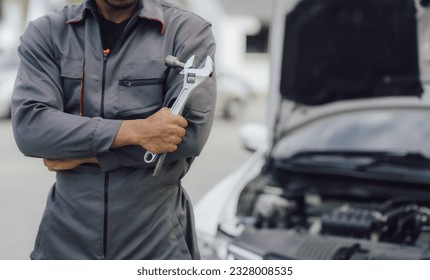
x=273, y=211
x=345, y=221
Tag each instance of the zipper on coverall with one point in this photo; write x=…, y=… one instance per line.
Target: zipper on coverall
x=106, y=54
x=106, y=183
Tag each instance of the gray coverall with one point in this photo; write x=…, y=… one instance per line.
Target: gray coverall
x=117, y=209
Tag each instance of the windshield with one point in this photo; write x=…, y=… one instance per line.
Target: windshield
x=390, y=130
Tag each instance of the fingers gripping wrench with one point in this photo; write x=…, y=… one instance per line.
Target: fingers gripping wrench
x=192, y=78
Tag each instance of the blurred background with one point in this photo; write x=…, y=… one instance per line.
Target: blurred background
x=241, y=28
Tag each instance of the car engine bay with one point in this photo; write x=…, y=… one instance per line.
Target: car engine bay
x=334, y=218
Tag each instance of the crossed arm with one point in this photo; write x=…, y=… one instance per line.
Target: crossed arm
x=159, y=133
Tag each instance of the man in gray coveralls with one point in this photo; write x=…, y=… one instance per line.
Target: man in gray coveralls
x=91, y=97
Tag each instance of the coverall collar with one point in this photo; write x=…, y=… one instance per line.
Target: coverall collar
x=150, y=11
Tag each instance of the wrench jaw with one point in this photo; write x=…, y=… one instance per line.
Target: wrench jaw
x=209, y=66
x=193, y=77
x=189, y=64
x=206, y=71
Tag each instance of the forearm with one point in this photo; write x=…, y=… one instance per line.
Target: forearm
x=67, y=164
x=49, y=133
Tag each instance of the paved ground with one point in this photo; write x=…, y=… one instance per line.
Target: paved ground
x=24, y=182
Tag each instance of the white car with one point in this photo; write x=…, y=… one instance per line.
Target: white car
x=344, y=170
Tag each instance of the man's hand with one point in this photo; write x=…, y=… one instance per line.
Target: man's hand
x=160, y=133
x=66, y=164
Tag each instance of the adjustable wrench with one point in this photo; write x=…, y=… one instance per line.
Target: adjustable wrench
x=192, y=78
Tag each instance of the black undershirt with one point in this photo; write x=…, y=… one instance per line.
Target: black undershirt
x=111, y=32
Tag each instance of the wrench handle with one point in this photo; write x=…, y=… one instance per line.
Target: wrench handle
x=177, y=109
x=179, y=105
x=159, y=165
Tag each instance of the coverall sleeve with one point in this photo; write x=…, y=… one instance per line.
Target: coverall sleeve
x=40, y=126
x=193, y=39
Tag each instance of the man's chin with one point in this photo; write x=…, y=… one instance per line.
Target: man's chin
x=120, y=4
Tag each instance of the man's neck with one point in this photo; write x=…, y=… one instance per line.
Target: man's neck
x=112, y=14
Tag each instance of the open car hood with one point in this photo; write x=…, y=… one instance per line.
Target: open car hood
x=342, y=50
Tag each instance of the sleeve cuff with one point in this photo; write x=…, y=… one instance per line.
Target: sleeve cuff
x=104, y=135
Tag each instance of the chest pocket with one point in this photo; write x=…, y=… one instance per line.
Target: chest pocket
x=141, y=89
x=71, y=74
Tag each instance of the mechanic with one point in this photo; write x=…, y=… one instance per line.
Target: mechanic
x=91, y=97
